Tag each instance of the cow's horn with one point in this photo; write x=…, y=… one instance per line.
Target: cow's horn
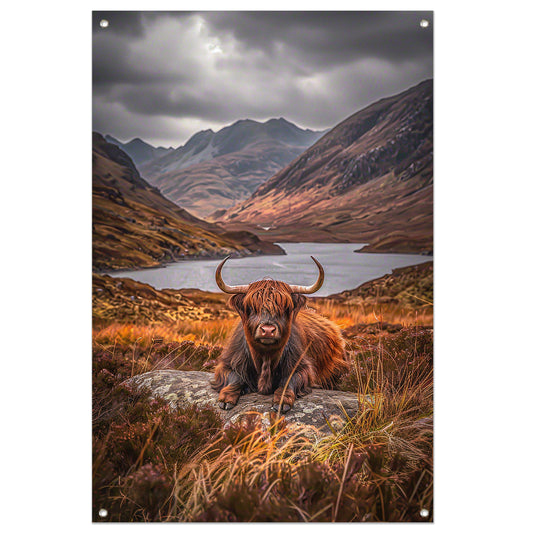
x=302, y=289
x=230, y=289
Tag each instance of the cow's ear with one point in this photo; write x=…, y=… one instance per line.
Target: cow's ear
x=299, y=301
x=236, y=303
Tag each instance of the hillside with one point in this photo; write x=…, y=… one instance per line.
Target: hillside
x=367, y=179
x=410, y=286
x=213, y=171
x=124, y=300
x=134, y=226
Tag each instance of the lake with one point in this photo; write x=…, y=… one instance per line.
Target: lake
x=343, y=268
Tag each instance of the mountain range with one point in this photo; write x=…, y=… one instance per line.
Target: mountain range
x=135, y=226
x=215, y=170
x=369, y=179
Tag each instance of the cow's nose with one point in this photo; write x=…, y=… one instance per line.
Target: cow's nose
x=267, y=330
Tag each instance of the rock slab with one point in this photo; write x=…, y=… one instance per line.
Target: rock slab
x=320, y=411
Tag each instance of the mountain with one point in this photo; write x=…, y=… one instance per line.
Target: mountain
x=213, y=171
x=135, y=226
x=139, y=150
x=369, y=179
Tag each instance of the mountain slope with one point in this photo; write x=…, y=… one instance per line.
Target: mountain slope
x=135, y=226
x=213, y=171
x=369, y=178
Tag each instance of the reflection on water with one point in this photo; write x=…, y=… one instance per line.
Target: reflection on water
x=344, y=269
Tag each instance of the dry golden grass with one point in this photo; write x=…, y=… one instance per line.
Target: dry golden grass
x=377, y=467
x=253, y=459
x=211, y=332
x=216, y=331
x=348, y=315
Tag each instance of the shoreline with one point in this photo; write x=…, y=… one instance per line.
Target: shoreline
x=184, y=259
x=366, y=248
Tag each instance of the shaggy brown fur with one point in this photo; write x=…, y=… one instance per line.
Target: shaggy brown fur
x=308, y=349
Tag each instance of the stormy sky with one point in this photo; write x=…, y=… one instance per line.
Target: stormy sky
x=164, y=76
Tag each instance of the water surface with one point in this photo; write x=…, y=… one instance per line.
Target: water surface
x=344, y=269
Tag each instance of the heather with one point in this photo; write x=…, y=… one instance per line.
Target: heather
x=154, y=463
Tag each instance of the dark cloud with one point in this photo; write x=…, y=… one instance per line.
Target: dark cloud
x=332, y=37
x=169, y=74
x=115, y=64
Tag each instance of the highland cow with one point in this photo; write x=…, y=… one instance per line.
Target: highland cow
x=279, y=346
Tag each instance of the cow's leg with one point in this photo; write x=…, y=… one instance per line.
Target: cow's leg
x=285, y=399
x=285, y=396
x=229, y=394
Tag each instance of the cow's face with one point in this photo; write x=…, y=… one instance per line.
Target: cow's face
x=267, y=311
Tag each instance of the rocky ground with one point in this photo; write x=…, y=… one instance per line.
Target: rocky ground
x=319, y=412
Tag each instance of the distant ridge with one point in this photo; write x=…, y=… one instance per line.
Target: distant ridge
x=139, y=150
